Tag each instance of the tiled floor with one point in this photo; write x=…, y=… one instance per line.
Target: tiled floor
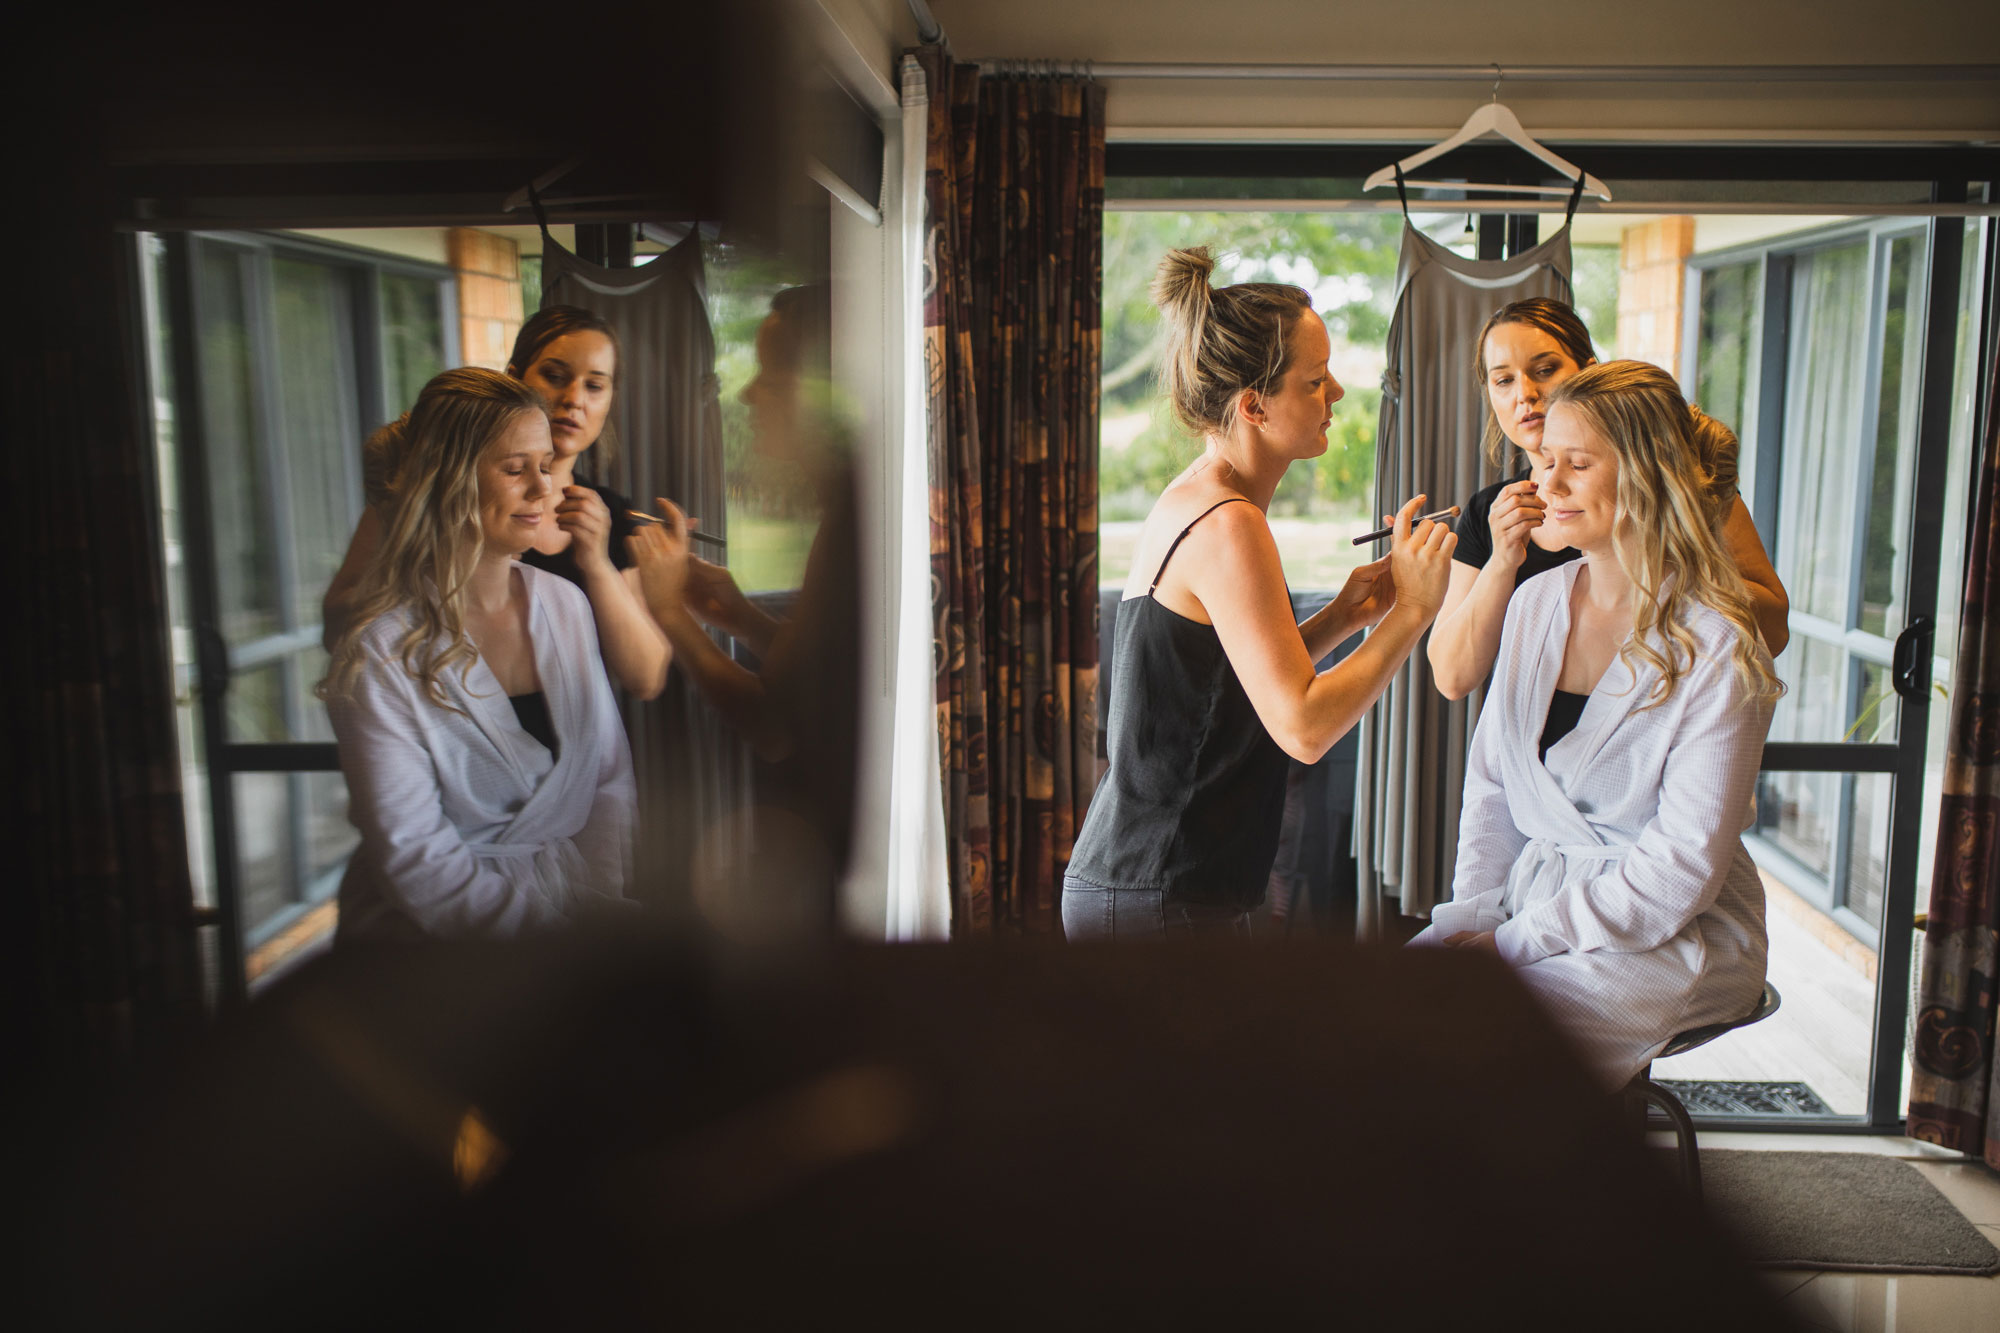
x=1868, y=1302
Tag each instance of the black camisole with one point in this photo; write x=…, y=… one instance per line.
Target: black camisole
x=1195, y=792
x=1564, y=710
x=532, y=710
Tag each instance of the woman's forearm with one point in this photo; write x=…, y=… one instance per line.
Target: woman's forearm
x=1773, y=612
x=1326, y=629
x=635, y=652
x=754, y=628
x=1336, y=698
x=735, y=692
x=1466, y=638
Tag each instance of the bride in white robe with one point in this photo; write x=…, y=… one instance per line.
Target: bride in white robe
x=1612, y=873
x=470, y=826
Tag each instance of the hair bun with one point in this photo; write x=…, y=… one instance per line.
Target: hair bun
x=1180, y=284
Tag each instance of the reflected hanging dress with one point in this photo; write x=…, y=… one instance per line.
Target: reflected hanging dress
x=693, y=772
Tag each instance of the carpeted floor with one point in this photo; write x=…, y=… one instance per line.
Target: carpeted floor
x=1843, y=1211
x=1721, y=1097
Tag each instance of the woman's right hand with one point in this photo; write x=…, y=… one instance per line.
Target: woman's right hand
x=1517, y=511
x=1420, y=560
x=660, y=552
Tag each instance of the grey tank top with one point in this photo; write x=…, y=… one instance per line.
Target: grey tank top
x=1195, y=793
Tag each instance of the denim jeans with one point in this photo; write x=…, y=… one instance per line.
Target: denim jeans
x=1093, y=912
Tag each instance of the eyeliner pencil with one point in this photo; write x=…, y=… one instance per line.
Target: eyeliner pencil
x=695, y=533
x=1380, y=533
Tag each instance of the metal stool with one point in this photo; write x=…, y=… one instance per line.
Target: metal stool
x=1645, y=1092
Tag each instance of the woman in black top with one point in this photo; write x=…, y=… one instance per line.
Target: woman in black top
x=1524, y=351
x=1215, y=687
x=569, y=356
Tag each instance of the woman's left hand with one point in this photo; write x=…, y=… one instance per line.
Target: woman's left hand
x=583, y=515
x=1368, y=594
x=1479, y=941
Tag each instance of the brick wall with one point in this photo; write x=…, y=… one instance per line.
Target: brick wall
x=1652, y=263
x=489, y=295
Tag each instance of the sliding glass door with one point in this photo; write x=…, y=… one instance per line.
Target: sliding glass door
x=1846, y=359
x=273, y=358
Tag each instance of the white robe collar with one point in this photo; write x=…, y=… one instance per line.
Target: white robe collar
x=544, y=778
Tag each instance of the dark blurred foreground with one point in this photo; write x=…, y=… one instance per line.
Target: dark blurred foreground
x=588, y=1131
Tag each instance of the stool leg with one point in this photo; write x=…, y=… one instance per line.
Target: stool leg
x=1670, y=1105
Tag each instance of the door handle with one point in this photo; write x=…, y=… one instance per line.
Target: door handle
x=1910, y=664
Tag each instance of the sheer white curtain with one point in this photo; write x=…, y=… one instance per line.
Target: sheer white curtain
x=919, y=897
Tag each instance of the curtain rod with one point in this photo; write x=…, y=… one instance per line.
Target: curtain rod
x=928, y=30
x=1144, y=69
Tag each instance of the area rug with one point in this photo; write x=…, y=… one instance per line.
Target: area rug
x=1838, y=1210
x=1720, y=1097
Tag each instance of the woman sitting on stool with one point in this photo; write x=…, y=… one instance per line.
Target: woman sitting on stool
x=1612, y=773
x=486, y=766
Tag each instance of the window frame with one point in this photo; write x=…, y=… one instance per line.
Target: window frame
x=217, y=663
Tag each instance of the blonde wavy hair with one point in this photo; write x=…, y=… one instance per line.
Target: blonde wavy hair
x=1666, y=534
x=431, y=534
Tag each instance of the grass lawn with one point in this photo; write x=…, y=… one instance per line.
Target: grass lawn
x=767, y=554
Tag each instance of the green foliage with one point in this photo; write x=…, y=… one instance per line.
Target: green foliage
x=1348, y=262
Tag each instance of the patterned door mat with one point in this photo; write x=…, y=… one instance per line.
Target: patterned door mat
x=1721, y=1097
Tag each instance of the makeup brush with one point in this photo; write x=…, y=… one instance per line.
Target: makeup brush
x=696, y=533
x=1380, y=533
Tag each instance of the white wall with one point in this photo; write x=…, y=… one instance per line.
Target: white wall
x=860, y=42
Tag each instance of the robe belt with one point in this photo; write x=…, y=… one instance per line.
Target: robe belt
x=518, y=851
x=1541, y=864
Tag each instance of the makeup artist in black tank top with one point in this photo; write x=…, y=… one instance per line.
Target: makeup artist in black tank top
x=1214, y=687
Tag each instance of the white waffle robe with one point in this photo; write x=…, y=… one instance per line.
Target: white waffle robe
x=469, y=826
x=1614, y=873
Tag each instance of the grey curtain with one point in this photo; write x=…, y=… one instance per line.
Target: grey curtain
x=1412, y=744
x=693, y=772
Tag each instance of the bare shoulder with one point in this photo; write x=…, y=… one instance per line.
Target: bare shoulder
x=1192, y=515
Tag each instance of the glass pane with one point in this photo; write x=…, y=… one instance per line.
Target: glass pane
x=1795, y=815
x=412, y=337
x=1594, y=281
x=319, y=429
x=1815, y=677
x=294, y=842
x=1868, y=847
x=309, y=668
x=1885, y=556
x=1727, y=351
x=1824, y=405
x=1877, y=709
x=1347, y=261
x=330, y=839
x=772, y=518
x=245, y=547
x=1813, y=1056
x=256, y=705
x=264, y=847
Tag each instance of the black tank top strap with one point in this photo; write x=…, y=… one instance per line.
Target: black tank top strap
x=1160, y=573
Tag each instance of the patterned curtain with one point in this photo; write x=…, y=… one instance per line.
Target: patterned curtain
x=1013, y=248
x=1955, y=1090
x=101, y=951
